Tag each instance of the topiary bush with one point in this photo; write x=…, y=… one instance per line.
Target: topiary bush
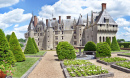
x=30, y=48
x=115, y=45
x=16, y=48
x=108, y=41
x=103, y=50
x=35, y=44
x=5, y=53
x=65, y=51
x=90, y=46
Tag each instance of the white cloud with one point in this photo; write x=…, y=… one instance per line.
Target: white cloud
x=12, y=17
x=16, y=25
x=122, y=22
x=21, y=29
x=127, y=29
x=6, y=3
x=116, y=8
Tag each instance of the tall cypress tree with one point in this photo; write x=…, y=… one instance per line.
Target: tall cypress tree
x=5, y=53
x=108, y=41
x=15, y=48
x=115, y=45
x=35, y=44
x=30, y=48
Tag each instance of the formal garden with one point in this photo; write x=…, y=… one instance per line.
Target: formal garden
x=13, y=62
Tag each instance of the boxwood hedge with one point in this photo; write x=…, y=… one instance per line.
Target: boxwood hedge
x=90, y=46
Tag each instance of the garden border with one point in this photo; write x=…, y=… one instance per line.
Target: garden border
x=106, y=63
x=31, y=69
x=120, y=68
x=120, y=52
x=93, y=76
x=123, y=55
x=35, y=55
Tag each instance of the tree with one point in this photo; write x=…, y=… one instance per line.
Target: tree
x=120, y=40
x=21, y=45
x=108, y=41
x=30, y=48
x=115, y=45
x=35, y=44
x=22, y=40
x=15, y=48
x=5, y=53
x=90, y=46
x=8, y=36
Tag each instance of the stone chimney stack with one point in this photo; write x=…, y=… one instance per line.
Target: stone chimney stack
x=35, y=20
x=59, y=19
x=103, y=6
x=68, y=17
x=47, y=22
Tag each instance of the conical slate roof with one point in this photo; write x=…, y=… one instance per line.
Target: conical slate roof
x=80, y=21
x=31, y=24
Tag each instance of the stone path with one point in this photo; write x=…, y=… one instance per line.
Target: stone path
x=117, y=73
x=48, y=67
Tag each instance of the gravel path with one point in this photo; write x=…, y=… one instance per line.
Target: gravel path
x=48, y=67
x=117, y=73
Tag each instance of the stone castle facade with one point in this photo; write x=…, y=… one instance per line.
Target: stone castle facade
x=76, y=32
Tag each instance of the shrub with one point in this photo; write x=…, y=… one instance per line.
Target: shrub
x=90, y=46
x=35, y=44
x=65, y=51
x=103, y=50
x=126, y=45
x=15, y=48
x=21, y=45
x=122, y=46
x=30, y=48
x=5, y=53
x=108, y=41
x=8, y=37
x=114, y=45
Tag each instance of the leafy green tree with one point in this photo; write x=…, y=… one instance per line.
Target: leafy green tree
x=103, y=50
x=30, y=48
x=90, y=46
x=115, y=45
x=108, y=41
x=5, y=53
x=8, y=36
x=21, y=45
x=120, y=40
x=35, y=44
x=15, y=48
x=22, y=40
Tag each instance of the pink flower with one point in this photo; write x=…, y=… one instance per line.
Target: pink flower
x=10, y=71
x=14, y=70
x=4, y=60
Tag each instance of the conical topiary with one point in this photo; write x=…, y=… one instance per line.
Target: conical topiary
x=35, y=44
x=15, y=48
x=115, y=45
x=30, y=48
x=108, y=41
x=5, y=53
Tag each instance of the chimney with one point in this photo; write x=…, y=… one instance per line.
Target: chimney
x=35, y=21
x=103, y=6
x=68, y=17
x=59, y=19
x=47, y=22
x=54, y=18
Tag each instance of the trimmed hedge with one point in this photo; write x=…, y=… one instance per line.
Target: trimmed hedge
x=108, y=41
x=34, y=43
x=90, y=46
x=114, y=45
x=5, y=53
x=16, y=48
x=103, y=50
x=65, y=51
x=126, y=45
x=30, y=48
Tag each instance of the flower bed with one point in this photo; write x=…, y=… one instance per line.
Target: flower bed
x=109, y=61
x=69, y=63
x=123, y=66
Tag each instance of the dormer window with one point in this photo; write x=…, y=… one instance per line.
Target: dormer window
x=100, y=25
x=106, y=20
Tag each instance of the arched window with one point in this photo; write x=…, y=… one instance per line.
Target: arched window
x=99, y=39
x=103, y=39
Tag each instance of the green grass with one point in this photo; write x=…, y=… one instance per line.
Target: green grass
x=37, y=54
x=77, y=50
x=120, y=51
x=126, y=54
x=23, y=67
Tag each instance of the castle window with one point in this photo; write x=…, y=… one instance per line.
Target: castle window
x=80, y=40
x=40, y=34
x=113, y=25
x=38, y=39
x=48, y=36
x=71, y=27
x=75, y=43
x=62, y=32
x=56, y=37
x=74, y=37
x=60, y=28
x=62, y=37
x=48, y=41
x=99, y=39
x=74, y=31
x=38, y=43
x=56, y=43
x=100, y=25
x=56, y=32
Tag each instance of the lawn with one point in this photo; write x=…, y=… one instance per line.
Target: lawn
x=126, y=54
x=120, y=51
x=37, y=54
x=77, y=50
x=23, y=67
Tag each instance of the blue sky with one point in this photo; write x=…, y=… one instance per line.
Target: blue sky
x=15, y=15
